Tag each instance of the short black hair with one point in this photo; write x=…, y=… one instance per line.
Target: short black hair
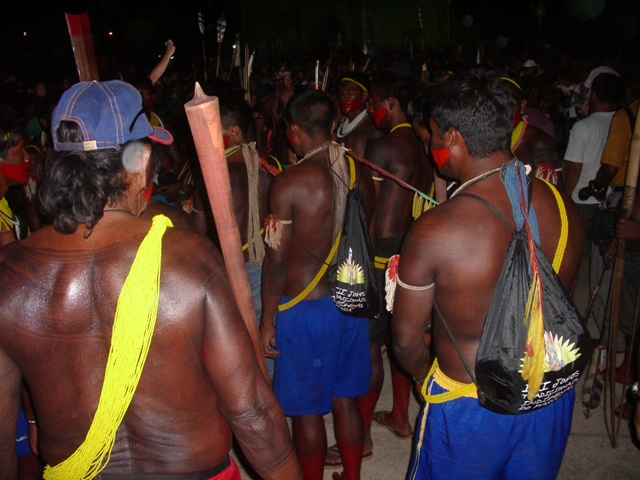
x=10, y=135
x=390, y=84
x=77, y=185
x=313, y=111
x=609, y=89
x=419, y=110
x=359, y=77
x=479, y=105
x=235, y=111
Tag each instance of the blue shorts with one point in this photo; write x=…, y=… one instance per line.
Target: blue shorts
x=255, y=282
x=460, y=439
x=22, y=436
x=323, y=354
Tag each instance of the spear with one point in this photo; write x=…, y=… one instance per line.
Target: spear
x=204, y=52
x=424, y=58
x=203, y=113
x=628, y=198
x=221, y=27
x=317, y=72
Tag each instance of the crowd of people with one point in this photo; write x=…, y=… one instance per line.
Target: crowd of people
x=110, y=258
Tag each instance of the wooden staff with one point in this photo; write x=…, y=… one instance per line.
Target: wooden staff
x=628, y=199
x=82, y=44
x=364, y=69
x=203, y=113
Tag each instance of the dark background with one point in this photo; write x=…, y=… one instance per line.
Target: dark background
x=140, y=28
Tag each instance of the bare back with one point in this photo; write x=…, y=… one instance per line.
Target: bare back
x=359, y=139
x=240, y=194
x=56, y=325
x=304, y=194
x=460, y=246
x=401, y=154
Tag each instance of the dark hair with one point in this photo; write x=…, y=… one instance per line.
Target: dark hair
x=480, y=106
x=13, y=134
x=313, y=111
x=419, y=110
x=609, y=89
x=77, y=185
x=359, y=77
x=235, y=111
x=631, y=79
x=390, y=84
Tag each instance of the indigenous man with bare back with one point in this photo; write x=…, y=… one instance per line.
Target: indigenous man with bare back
x=322, y=360
x=67, y=312
x=249, y=187
x=453, y=257
x=401, y=154
x=357, y=129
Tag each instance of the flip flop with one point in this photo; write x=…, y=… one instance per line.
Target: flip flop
x=336, y=451
x=378, y=417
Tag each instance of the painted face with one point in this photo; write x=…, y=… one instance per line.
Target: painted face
x=378, y=109
x=350, y=97
x=439, y=152
x=226, y=139
x=16, y=166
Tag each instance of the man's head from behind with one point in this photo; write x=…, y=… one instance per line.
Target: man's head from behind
x=477, y=104
x=312, y=112
x=390, y=91
x=609, y=89
x=235, y=116
x=106, y=151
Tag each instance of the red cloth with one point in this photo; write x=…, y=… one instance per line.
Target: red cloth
x=232, y=472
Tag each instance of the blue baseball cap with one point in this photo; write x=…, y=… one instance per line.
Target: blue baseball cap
x=109, y=115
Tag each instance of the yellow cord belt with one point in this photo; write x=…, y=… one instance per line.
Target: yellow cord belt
x=6, y=215
x=323, y=269
x=133, y=327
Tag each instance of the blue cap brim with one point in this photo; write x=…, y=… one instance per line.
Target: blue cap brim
x=161, y=135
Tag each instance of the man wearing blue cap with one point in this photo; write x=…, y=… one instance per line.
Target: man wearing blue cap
x=125, y=331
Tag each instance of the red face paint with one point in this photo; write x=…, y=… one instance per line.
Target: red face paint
x=379, y=114
x=147, y=192
x=290, y=138
x=19, y=172
x=347, y=106
x=516, y=118
x=226, y=139
x=440, y=156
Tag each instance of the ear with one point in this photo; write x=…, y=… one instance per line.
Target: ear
x=136, y=157
x=457, y=141
x=235, y=133
x=523, y=106
x=333, y=126
x=392, y=103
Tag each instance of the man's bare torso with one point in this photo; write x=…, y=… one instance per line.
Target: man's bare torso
x=55, y=325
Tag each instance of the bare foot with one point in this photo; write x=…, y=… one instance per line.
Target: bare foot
x=385, y=420
x=333, y=459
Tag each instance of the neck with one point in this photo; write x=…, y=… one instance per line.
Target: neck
x=397, y=119
x=355, y=113
x=475, y=167
x=314, y=143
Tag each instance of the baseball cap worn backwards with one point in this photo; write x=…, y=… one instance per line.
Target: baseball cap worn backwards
x=109, y=115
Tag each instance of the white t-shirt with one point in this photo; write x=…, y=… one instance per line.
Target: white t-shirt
x=586, y=143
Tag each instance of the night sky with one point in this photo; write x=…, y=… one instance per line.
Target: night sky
x=139, y=29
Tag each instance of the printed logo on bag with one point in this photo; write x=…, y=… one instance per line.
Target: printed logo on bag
x=350, y=272
x=558, y=354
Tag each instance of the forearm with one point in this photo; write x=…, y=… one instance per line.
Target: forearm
x=572, y=175
x=276, y=458
x=605, y=175
x=9, y=462
x=413, y=355
x=159, y=69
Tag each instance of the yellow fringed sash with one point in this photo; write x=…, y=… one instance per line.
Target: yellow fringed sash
x=133, y=327
x=6, y=215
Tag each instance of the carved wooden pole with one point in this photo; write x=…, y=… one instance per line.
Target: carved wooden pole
x=203, y=113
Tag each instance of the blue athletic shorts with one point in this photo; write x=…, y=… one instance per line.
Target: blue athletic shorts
x=323, y=354
x=460, y=439
x=22, y=437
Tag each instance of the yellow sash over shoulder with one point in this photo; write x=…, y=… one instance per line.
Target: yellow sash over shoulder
x=133, y=327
